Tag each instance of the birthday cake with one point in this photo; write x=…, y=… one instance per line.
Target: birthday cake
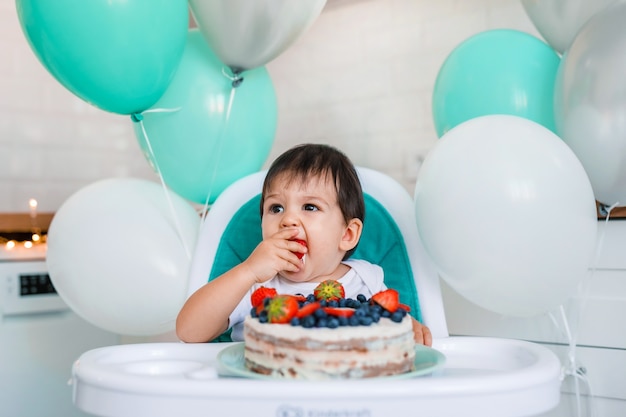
x=327, y=336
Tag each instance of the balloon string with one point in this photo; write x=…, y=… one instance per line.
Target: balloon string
x=138, y=118
x=231, y=99
x=572, y=368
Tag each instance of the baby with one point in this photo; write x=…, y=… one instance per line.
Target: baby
x=312, y=211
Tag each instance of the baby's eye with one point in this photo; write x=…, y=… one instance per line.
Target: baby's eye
x=310, y=207
x=275, y=208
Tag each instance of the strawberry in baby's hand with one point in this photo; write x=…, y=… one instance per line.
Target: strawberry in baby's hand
x=303, y=243
x=329, y=290
x=261, y=294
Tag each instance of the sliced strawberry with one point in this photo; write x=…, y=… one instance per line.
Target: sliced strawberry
x=404, y=307
x=329, y=290
x=281, y=309
x=388, y=299
x=303, y=243
x=339, y=311
x=307, y=309
x=261, y=294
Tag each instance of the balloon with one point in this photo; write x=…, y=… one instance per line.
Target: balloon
x=559, y=21
x=507, y=214
x=200, y=146
x=590, y=102
x=119, y=253
x=496, y=72
x=119, y=56
x=246, y=34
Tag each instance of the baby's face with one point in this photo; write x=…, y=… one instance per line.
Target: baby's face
x=312, y=209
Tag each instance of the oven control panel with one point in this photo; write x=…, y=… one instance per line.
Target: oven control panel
x=27, y=289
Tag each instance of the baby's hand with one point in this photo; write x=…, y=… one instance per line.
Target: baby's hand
x=422, y=334
x=276, y=253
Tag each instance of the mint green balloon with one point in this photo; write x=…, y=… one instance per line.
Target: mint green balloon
x=500, y=71
x=118, y=55
x=198, y=148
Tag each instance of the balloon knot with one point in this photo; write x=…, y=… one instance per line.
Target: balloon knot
x=237, y=82
x=236, y=78
x=136, y=117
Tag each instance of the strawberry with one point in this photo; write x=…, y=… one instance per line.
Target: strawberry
x=329, y=290
x=261, y=294
x=388, y=299
x=405, y=307
x=303, y=243
x=281, y=309
x=307, y=309
x=300, y=298
x=339, y=311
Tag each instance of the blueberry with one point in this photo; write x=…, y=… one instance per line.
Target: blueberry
x=319, y=313
x=375, y=317
x=310, y=298
x=361, y=312
x=295, y=321
x=343, y=321
x=263, y=318
x=253, y=312
x=365, y=320
x=333, y=303
x=397, y=317
x=333, y=323
x=308, y=321
x=361, y=298
x=353, y=320
x=322, y=322
x=385, y=313
x=342, y=302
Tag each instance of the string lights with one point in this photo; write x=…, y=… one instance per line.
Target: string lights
x=25, y=239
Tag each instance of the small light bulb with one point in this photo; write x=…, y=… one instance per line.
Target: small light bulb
x=35, y=237
x=32, y=203
x=10, y=244
x=28, y=244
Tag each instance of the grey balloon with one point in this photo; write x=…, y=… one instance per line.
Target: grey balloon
x=559, y=21
x=246, y=34
x=590, y=102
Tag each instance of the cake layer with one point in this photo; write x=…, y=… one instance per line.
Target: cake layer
x=384, y=348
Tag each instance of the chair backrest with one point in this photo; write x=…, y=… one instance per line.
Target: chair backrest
x=232, y=229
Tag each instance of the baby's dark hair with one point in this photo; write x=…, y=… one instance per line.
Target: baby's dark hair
x=315, y=160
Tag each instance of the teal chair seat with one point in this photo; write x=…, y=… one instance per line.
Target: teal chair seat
x=381, y=244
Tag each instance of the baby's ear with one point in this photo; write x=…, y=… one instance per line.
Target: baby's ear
x=351, y=235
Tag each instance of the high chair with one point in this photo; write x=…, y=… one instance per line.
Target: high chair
x=481, y=376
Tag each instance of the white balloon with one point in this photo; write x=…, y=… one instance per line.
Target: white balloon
x=246, y=34
x=118, y=255
x=559, y=21
x=590, y=102
x=506, y=211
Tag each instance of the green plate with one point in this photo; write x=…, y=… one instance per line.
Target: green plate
x=427, y=361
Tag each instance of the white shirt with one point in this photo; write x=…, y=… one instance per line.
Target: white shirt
x=362, y=278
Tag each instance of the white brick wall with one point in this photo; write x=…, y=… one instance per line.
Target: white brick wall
x=361, y=79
